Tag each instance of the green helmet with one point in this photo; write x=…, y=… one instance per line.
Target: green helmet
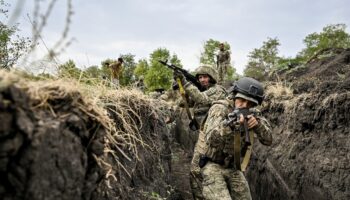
x=207, y=70
x=249, y=89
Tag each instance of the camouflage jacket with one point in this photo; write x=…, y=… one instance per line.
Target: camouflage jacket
x=219, y=139
x=224, y=57
x=116, y=69
x=201, y=101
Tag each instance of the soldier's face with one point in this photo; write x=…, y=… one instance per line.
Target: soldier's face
x=242, y=103
x=204, y=80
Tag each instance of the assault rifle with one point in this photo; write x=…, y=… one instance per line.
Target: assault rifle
x=186, y=74
x=233, y=120
x=194, y=125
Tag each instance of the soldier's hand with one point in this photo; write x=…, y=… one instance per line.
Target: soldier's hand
x=252, y=121
x=175, y=86
x=178, y=75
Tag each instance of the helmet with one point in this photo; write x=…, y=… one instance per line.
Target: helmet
x=208, y=70
x=249, y=89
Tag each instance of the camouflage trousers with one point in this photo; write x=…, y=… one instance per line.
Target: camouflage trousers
x=196, y=177
x=222, y=70
x=221, y=183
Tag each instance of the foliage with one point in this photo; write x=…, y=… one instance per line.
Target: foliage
x=69, y=69
x=105, y=70
x=263, y=59
x=232, y=74
x=141, y=68
x=254, y=71
x=93, y=72
x=12, y=46
x=211, y=47
x=208, y=56
x=45, y=76
x=158, y=75
x=332, y=36
x=288, y=63
x=129, y=66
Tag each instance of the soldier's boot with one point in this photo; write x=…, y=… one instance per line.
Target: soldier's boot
x=196, y=187
x=196, y=178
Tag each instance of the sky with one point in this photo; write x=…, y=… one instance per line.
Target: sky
x=107, y=28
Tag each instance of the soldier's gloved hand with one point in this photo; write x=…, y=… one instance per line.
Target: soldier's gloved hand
x=175, y=86
x=178, y=75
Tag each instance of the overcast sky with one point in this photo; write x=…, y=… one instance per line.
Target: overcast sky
x=107, y=28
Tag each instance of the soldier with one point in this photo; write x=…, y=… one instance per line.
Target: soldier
x=201, y=102
x=220, y=145
x=223, y=62
x=116, y=71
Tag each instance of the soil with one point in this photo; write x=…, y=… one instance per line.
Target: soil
x=58, y=150
x=45, y=155
x=309, y=158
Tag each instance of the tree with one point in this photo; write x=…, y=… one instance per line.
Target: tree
x=208, y=56
x=158, y=75
x=105, y=70
x=141, y=68
x=263, y=59
x=255, y=71
x=332, y=36
x=210, y=49
x=93, y=72
x=129, y=66
x=12, y=46
x=232, y=74
x=69, y=69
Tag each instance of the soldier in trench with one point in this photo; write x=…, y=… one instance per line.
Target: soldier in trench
x=221, y=146
x=200, y=101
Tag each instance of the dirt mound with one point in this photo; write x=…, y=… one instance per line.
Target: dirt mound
x=309, y=158
x=327, y=72
x=57, y=142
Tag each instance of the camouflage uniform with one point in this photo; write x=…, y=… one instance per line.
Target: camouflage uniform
x=116, y=71
x=202, y=103
x=223, y=63
x=220, y=178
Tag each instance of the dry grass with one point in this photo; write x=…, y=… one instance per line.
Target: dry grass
x=279, y=89
x=99, y=102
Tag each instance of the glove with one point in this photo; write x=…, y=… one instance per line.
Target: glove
x=178, y=75
x=175, y=86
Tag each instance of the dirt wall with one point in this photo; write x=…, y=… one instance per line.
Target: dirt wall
x=59, y=146
x=309, y=158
